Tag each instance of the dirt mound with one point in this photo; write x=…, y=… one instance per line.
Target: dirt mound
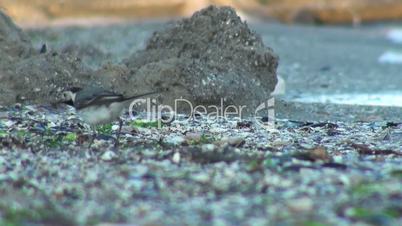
x=41, y=78
x=14, y=46
x=13, y=42
x=205, y=58
x=209, y=57
x=28, y=75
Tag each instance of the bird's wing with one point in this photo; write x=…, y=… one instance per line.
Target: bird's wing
x=96, y=97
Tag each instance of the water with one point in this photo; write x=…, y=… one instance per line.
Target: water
x=395, y=35
x=386, y=99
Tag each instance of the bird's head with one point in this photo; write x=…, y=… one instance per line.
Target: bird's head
x=69, y=95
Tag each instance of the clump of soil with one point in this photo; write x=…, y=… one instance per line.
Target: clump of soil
x=13, y=42
x=210, y=56
x=14, y=46
x=27, y=74
x=206, y=58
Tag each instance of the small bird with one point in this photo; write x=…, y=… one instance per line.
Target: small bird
x=98, y=106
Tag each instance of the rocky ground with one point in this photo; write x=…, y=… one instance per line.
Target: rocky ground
x=321, y=164
x=197, y=172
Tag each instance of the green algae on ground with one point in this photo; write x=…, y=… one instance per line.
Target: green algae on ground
x=203, y=139
x=377, y=217
x=366, y=189
x=53, y=141
x=70, y=137
x=396, y=173
x=145, y=124
x=3, y=134
x=105, y=129
x=313, y=223
x=27, y=216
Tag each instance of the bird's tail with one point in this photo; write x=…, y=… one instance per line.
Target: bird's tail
x=140, y=95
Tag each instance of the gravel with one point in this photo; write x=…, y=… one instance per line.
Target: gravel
x=197, y=172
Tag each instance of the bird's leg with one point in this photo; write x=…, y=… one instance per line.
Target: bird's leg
x=118, y=132
x=93, y=136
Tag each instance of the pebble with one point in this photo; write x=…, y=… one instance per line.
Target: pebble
x=201, y=177
x=320, y=153
x=303, y=204
x=175, y=139
x=193, y=137
x=108, y=156
x=236, y=141
x=8, y=123
x=337, y=158
x=176, y=157
x=139, y=171
x=208, y=147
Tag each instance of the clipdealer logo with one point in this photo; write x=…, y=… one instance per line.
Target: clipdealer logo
x=264, y=114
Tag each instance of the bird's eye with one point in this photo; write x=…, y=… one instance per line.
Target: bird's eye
x=65, y=95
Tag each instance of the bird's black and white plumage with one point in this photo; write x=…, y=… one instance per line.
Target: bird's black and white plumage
x=98, y=106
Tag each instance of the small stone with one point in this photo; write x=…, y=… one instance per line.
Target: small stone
x=108, y=156
x=176, y=157
x=279, y=142
x=320, y=153
x=244, y=124
x=91, y=177
x=51, y=124
x=316, y=154
x=139, y=171
x=232, y=141
x=337, y=158
x=115, y=127
x=3, y=115
x=307, y=146
x=8, y=123
x=175, y=139
x=201, y=177
x=193, y=137
x=208, y=147
x=236, y=141
x=31, y=108
x=345, y=180
x=303, y=204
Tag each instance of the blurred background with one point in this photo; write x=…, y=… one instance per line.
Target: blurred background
x=45, y=12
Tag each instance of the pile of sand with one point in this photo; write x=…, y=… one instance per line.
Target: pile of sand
x=205, y=58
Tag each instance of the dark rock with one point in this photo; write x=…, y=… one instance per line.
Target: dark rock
x=226, y=154
x=335, y=165
x=43, y=49
x=244, y=124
